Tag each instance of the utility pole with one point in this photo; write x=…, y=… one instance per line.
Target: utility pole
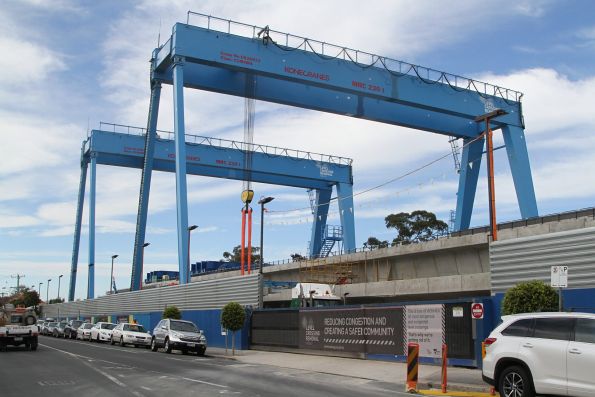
x=18, y=277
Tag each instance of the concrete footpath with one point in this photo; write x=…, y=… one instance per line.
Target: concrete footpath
x=465, y=380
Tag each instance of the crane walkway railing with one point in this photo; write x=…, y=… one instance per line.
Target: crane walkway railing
x=230, y=144
x=289, y=42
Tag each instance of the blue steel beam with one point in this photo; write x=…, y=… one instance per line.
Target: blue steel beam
x=92, y=195
x=346, y=213
x=181, y=193
x=302, y=78
x=125, y=150
x=323, y=197
x=468, y=176
x=145, y=187
x=516, y=148
x=77, y=226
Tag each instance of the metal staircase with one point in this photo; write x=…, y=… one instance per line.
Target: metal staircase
x=330, y=235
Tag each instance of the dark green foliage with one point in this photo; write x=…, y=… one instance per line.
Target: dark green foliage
x=420, y=225
x=26, y=297
x=530, y=297
x=235, y=256
x=56, y=300
x=172, y=312
x=297, y=257
x=373, y=242
x=233, y=316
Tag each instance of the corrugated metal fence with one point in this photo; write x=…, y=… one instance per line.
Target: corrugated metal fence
x=530, y=258
x=203, y=295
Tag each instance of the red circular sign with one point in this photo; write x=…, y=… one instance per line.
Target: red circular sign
x=477, y=310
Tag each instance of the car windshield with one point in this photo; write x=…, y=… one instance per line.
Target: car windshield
x=63, y=324
x=134, y=328
x=53, y=324
x=183, y=326
x=77, y=323
x=87, y=326
x=107, y=326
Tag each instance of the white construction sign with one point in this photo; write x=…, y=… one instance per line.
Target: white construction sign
x=559, y=276
x=424, y=324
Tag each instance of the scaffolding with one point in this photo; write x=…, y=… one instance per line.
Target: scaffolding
x=333, y=271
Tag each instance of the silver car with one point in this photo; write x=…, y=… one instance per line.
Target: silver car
x=178, y=335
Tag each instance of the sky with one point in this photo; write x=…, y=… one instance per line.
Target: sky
x=69, y=65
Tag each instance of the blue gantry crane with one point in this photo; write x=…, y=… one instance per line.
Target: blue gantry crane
x=124, y=146
x=233, y=58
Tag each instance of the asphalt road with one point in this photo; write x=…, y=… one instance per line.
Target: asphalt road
x=67, y=368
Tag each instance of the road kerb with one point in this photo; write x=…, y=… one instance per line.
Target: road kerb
x=438, y=392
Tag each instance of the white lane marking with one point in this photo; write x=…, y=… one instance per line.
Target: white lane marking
x=146, y=388
x=205, y=382
x=81, y=356
x=108, y=376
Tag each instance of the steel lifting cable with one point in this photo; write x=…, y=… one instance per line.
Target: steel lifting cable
x=402, y=176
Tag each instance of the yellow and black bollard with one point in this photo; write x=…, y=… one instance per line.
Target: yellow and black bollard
x=412, y=366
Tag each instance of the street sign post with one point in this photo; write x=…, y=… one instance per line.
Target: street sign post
x=559, y=279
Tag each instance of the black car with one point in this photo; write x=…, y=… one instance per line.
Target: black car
x=71, y=327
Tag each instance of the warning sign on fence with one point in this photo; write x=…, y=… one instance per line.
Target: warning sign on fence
x=424, y=325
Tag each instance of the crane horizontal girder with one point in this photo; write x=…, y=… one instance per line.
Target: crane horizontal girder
x=126, y=150
x=222, y=62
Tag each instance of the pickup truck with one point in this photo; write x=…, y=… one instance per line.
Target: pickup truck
x=17, y=327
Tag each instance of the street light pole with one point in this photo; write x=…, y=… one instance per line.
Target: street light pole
x=59, y=279
x=47, y=292
x=142, y=264
x=39, y=290
x=111, y=278
x=190, y=229
x=262, y=202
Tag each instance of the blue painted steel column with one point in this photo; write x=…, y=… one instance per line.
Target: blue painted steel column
x=77, y=226
x=145, y=188
x=346, y=212
x=77, y=229
x=323, y=197
x=470, y=164
x=518, y=158
x=92, y=183
x=181, y=193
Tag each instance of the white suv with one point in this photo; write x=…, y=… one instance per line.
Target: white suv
x=544, y=353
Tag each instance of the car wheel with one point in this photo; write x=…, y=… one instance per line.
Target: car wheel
x=97, y=340
x=184, y=351
x=515, y=382
x=167, y=346
x=153, y=345
x=147, y=346
x=201, y=352
x=122, y=341
x=111, y=341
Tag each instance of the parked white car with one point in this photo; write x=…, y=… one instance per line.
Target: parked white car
x=131, y=334
x=102, y=332
x=543, y=353
x=84, y=331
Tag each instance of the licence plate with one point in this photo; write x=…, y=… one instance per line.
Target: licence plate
x=18, y=339
x=190, y=344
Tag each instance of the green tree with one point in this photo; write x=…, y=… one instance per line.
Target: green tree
x=235, y=255
x=233, y=316
x=27, y=298
x=529, y=297
x=172, y=312
x=297, y=257
x=56, y=300
x=419, y=225
x=373, y=242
